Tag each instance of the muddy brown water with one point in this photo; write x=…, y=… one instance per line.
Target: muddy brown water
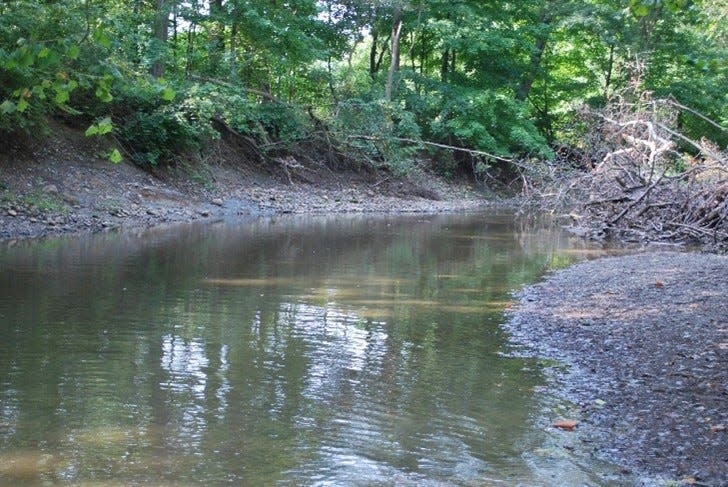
x=287, y=350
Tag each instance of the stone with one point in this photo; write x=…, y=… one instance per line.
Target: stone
x=50, y=188
x=217, y=202
x=12, y=212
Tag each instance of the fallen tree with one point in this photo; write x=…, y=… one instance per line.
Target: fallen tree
x=639, y=177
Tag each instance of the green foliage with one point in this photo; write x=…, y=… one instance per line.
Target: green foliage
x=48, y=52
x=504, y=78
x=488, y=121
x=154, y=129
x=384, y=132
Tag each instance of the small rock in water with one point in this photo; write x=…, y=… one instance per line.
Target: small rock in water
x=205, y=213
x=12, y=212
x=217, y=202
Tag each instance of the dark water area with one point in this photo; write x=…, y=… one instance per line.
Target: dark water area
x=288, y=350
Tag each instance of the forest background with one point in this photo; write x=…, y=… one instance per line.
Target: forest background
x=378, y=83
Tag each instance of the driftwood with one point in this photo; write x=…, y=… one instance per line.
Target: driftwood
x=643, y=187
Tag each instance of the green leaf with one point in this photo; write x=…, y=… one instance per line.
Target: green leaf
x=69, y=110
x=7, y=107
x=168, y=94
x=105, y=125
x=27, y=58
x=61, y=96
x=639, y=8
x=39, y=92
x=114, y=156
x=73, y=52
x=22, y=105
x=102, y=127
x=103, y=94
x=101, y=38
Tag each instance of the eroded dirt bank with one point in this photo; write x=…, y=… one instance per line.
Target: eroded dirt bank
x=60, y=186
x=646, y=340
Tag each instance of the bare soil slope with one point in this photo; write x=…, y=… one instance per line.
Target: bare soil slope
x=60, y=185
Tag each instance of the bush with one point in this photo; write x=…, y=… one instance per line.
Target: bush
x=377, y=129
x=155, y=129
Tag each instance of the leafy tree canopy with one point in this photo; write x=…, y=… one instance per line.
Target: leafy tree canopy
x=501, y=77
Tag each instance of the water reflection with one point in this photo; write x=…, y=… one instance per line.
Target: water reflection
x=315, y=351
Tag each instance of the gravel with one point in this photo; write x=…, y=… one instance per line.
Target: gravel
x=645, y=338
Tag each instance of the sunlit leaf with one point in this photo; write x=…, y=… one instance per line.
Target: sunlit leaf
x=22, y=105
x=73, y=52
x=105, y=126
x=168, y=94
x=101, y=38
x=115, y=156
x=61, y=97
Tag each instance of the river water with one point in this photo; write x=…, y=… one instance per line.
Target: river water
x=287, y=350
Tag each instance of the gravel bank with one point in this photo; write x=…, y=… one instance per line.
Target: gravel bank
x=60, y=186
x=646, y=340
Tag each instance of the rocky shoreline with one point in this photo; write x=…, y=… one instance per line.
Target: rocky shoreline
x=61, y=187
x=645, y=338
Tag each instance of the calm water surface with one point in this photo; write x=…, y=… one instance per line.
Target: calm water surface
x=291, y=351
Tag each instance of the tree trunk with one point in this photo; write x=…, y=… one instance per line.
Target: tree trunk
x=190, y=48
x=233, y=46
x=608, y=73
x=174, y=38
x=160, y=31
x=524, y=87
x=394, y=64
x=217, y=13
x=373, y=55
x=445, y=65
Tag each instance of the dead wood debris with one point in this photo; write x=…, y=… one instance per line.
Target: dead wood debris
x=640, y=179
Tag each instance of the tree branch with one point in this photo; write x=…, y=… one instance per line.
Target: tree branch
x=435, y=144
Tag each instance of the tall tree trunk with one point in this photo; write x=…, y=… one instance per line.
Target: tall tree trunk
x=190, y=48
x=445, y=65
x=217, y=13
x=373, y=55
x=394, y=64
x=233, y=46
x=608, y=73
x=524, y=87
x=174, y=38
x=160, y=31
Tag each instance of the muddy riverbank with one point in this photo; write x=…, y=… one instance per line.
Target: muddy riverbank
x=59, y=186
x=645, y=338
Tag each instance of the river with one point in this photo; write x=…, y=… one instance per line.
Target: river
x=286, y=350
